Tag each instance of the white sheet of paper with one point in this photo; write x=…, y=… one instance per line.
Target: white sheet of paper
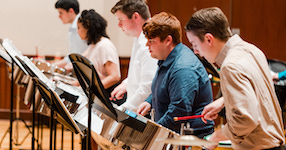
x=96, y=122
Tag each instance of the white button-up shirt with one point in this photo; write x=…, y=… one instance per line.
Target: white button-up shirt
x=76, y=44
x=142, y=69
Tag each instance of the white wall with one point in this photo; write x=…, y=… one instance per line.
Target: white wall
x=31, y=23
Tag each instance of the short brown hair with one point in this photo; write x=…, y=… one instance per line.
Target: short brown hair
x=209, y=20
x=161, y=25
x=129, y=7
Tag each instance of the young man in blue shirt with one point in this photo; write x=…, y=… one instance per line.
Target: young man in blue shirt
x=181, y=86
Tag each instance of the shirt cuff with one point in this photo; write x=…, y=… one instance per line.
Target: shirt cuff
x=67, y=59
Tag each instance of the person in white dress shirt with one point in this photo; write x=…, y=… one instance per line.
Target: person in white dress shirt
x=132, y=14
x=69, y=13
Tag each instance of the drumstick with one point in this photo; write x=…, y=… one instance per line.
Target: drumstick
x=187, y=117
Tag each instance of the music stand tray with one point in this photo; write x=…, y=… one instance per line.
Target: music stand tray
x=52, y=99
x=64, y=116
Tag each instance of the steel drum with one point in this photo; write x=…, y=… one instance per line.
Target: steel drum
x=52, y=72
x=117, y=135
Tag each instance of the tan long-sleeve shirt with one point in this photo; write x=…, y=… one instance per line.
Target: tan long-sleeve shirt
x=254, y=117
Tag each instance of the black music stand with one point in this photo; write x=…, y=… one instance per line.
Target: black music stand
x=92, y=86
x=12, y=53
x=56, y=105
x=33, y=75
x=90, y=82
x=51, y=98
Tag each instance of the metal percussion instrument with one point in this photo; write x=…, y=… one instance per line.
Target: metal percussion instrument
x=188, y=140
x=135, y=132
x=50, y=72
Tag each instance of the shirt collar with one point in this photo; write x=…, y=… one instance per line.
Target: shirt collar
x=171, y=57
x=74, y=23
x=223, y=52
x=141, y=38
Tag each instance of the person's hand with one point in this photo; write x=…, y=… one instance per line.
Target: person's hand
x=211, y=111
x=144, y=108
x=275, y=77
x=118, y=92
x=216, y=137
x=75, y=83
x=68, y=67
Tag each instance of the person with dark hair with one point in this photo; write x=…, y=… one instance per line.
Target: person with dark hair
x=253, y=114
x=181, y=86
x=101, y=52
x=132, y=14
x=69, y=14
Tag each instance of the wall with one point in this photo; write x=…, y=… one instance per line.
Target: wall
x=261, y=22
x=32, y=23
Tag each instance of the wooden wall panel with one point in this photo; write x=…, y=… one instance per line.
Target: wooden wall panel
x=5, y=86
x=262, y=22
x=124, y=64
x=183, y=9
x=5, y=95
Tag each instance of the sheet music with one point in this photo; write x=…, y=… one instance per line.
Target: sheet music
x=13, y=52
x=82, y=117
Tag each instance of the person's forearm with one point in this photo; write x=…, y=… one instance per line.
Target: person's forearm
x=110, y=81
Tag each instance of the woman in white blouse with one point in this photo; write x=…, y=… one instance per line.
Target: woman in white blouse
x=101, y=52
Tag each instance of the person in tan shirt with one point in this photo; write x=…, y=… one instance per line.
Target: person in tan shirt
x=253, y=114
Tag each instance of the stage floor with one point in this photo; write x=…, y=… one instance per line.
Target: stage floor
x=26, y=145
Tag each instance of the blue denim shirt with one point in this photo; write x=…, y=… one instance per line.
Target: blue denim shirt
x=181, y=87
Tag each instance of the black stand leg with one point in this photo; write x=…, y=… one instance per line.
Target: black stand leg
x=89, y=119
x=62, y=141
x=55, y=134
x=38, y=132
x=33, y=120
x=51, y=128
x=11, y=107
x=72, y=140
x=83, y=142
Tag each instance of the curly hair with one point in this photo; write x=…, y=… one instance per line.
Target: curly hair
x=95, y=25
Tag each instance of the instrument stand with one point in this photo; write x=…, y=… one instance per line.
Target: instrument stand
x=16, y=121
x=92, y=86
x=90, y=102
x=186, y=130
x=11, y=106
x=38, y=132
